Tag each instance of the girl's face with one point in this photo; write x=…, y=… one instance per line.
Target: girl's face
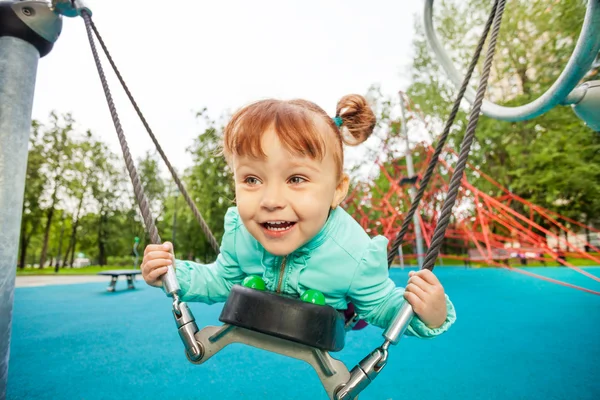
x=284, y=200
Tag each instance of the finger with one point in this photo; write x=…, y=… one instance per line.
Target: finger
x=153, y=247
x=418, y=281
x=157, y=273
x=154, y=264
x=428, y=276
x=167, y=246
x=421, y=294
x=155, y=255
x=416, y=303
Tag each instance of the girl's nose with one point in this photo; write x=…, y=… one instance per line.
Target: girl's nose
x=273, y=198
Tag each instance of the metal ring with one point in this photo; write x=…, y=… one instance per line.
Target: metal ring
x=383, y=361
x=176, y=308
x=586, y=50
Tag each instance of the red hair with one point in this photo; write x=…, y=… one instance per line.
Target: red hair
x=295, y=123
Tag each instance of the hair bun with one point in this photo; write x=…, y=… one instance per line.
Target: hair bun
x=358, y=119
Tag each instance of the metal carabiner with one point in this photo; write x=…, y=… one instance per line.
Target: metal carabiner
x=363, y=374
x=187, y=328
x=384, y=356
x=176, y=307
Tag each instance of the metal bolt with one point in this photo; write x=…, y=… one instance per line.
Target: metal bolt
x=28, y=11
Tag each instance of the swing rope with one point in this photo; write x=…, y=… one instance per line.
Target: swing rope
x=495, y=17
x=128, y=160
x=183, y=316
x=135, y=179
x=370, y=367
x=465, y=148
x=453, y=190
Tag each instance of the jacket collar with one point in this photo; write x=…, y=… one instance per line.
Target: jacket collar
x=319, y=238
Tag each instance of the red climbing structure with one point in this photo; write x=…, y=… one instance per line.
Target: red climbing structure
x=485, y=229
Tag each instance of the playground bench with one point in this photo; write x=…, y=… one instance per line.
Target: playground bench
x=114, y=274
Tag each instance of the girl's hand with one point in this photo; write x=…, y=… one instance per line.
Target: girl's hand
x=426, y=295
x=157, y=257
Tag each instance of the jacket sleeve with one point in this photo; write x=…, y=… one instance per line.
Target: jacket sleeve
x=211, y=283
x=376, y=298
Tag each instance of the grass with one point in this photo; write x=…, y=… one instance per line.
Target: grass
x=94, y=269
x=578, y=262
x=549, y=262
x=91, y=270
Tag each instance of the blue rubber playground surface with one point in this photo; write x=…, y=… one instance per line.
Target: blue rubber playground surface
x=516, y=337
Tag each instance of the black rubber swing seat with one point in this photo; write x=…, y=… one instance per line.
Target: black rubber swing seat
x=318, y=326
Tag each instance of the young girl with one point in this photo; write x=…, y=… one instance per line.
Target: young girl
x=287, y=161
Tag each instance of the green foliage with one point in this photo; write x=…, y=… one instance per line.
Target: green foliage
x=552, y=160
x=79, y=198
x=91, y=199
x=210, y=184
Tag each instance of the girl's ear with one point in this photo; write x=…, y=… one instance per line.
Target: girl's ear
x=341, y=191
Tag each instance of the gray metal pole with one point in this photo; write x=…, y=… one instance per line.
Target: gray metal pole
x=18, y=67
x=27, y=32
x=411, y=191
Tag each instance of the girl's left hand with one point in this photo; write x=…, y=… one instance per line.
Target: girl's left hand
x=426, y=295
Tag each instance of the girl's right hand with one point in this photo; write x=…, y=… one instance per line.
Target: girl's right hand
x=157, y=257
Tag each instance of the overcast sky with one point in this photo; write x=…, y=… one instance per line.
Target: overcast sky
x=178, y=57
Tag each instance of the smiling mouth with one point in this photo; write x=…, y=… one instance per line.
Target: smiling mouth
x=278, y=226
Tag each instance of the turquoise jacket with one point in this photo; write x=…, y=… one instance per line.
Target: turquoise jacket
x=341, y=261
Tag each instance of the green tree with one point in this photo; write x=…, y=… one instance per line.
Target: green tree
x=56, y=145
x=34, y=188
x=153, y=183
x=552, y=160
x=105, y=188
x=210, y=183
x=84, y=192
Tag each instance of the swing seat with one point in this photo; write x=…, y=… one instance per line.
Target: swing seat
x=278, y=324
x=318, y=326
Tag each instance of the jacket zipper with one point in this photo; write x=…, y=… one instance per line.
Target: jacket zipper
x=281, y=272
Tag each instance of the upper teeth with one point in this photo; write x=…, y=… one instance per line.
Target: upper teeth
x=276, y=222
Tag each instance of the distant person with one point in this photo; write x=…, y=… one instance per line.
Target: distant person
x=542, y=259
x=561, y=254
x=523, y=258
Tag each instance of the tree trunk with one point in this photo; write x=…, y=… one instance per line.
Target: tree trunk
x=25, y=240
x=588, y=239
x=60, y=240
x=102, y=240
x=46, y=235
x=101, y=254
x=72, y=242
x=73, y=238
x=66, y=258
x=24, y=245
x=73, y=252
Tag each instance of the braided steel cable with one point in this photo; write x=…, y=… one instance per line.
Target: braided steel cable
x=203, y=225
x=135, y=179
x=455, y=182
x=442, y=141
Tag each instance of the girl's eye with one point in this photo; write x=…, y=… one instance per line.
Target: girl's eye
x=294, y=180
x=251, y=180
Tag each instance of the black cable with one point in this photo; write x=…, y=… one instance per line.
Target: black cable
x=442, y=141
x=203, y=225
x=135, y=179
x=455, y=182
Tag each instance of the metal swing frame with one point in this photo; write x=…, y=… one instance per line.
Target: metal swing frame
x=40, y=26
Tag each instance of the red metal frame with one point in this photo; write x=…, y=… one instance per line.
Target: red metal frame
x=488, y=226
